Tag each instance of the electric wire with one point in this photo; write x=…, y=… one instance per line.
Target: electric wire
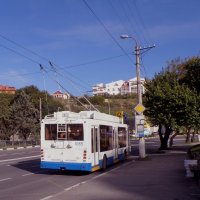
x=42, y=68
x=106, y=30
x=141, y=21
x=63, y=87
x=134, y=18
x=74, y=85
x=44, y=82
x=61, y=68
x=128, y=17
x=118, y=16
x=21, y=46
x=20, y=54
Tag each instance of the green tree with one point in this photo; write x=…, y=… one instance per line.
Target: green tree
x=24, y=117
x=49, y=104
x=5, y=100
x=189, y=73
x=169, y=105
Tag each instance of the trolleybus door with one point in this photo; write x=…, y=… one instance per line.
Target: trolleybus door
x=95, y=145
x=115, y=143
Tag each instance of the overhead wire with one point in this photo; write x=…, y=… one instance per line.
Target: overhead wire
x=44, y=82
x=133, y=20
x=64, y=88
x=61, y=68
x=43, y=68
x=118, y=16
x=74, y=85
x=141, y=21
x=106, y=29
x=133, y=27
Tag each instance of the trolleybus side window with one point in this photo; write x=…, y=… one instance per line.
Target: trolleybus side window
x=75, y=132
x=122, y=137
x=50, y=131
x=105, y=138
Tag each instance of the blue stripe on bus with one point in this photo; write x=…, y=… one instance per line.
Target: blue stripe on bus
x=66, y=166
x=77, y=166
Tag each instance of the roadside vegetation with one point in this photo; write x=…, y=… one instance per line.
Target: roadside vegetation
x=172, y=101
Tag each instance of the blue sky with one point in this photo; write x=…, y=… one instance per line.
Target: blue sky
x=69, y=35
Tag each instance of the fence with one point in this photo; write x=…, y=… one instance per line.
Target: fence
x=5, y=144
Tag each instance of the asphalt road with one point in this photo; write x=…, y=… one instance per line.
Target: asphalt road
x=22, y=179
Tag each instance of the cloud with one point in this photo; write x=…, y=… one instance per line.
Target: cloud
x=15, y=76
x=176, y=31
x=93, y=33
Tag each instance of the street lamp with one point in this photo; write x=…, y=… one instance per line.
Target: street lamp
x=137, y=54
x=139, y=94
x=107, y=101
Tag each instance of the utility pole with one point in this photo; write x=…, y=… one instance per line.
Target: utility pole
x=139, y=93
x=40, y=110
x=142, y=152
x=139, y=118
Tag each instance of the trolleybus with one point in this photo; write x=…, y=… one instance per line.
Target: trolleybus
x=87, y=141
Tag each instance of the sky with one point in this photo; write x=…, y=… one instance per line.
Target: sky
x=81, y=40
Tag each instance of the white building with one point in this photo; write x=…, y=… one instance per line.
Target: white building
x=99, y=89
x=118, y=87
x=133, y=85
x=114, y=87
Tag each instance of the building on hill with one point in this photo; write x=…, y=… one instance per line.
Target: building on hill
x=125, y=88
x=133, y=85
x=99, y=89
x=7, y=89
x=59, y=95
x=118, y=87
x=114, y=87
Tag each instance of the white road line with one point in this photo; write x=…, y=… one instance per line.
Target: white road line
x=28, y=174
x=5, y=179
x=48, y=197
x=19, y=158
x=83, y=182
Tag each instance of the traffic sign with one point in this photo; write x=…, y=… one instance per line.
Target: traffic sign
x=139, y=108
x=120, y=114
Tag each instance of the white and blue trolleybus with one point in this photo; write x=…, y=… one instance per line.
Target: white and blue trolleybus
x=87, y=141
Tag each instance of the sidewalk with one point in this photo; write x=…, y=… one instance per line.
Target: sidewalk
x=160, y=177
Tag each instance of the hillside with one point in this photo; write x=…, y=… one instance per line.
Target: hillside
x=104, y=104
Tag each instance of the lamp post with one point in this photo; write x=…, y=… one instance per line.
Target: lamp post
x=107, y=101
x=139, y=94
x=137, y=54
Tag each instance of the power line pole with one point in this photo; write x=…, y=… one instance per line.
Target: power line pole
x=139, y=118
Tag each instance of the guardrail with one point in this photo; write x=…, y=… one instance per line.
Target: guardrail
x=6, y=144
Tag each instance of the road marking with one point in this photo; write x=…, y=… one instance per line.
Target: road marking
x=28, y=174
x=48, y=197
x=83, y=182
x=5, y=179
x=73, y=186
x=19, y=158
